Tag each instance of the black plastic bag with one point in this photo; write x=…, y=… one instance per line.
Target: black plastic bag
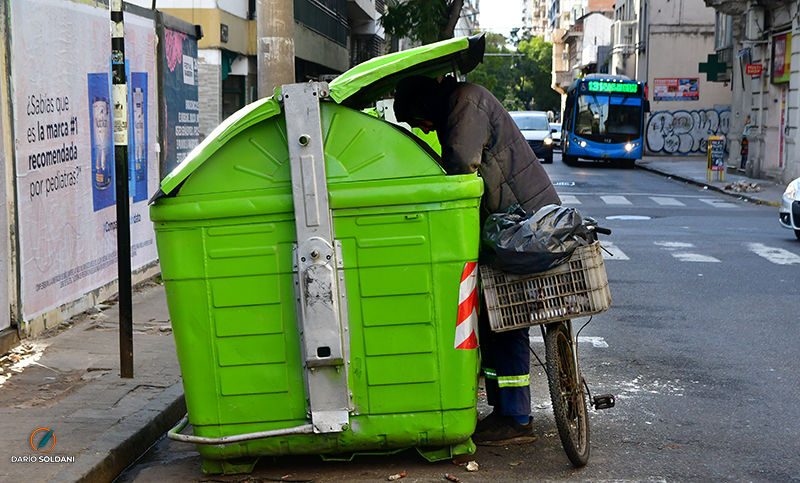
x=522, y=244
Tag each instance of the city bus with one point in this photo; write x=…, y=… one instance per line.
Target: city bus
x=604, y=120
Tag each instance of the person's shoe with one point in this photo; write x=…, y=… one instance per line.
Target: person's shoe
x=488, y=421
x=504, y=430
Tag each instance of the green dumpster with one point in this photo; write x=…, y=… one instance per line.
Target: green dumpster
x=315, y=259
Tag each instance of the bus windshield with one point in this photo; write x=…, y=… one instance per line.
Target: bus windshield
x=608, y=116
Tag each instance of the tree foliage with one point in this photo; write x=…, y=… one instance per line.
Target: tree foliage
x=534, y=76
x=424, y=21
x=522, y=81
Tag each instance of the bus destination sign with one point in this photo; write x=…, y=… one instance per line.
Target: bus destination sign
x=621, y=87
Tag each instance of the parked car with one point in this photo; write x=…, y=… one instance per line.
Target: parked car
x=536, y=129
x=555, y=133
x=790, y=208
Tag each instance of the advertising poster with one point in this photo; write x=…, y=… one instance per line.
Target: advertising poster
x=781, y=58
x=180, y=86
x=65, y=166
x=676, y=89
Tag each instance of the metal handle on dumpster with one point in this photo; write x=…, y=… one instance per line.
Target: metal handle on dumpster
x=174, y=434
x=317, y=284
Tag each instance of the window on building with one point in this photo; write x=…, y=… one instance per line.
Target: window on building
x=232, y=95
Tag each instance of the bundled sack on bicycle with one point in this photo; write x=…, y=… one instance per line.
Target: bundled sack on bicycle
x=521, y=243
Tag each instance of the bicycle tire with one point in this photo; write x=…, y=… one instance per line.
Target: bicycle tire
x=567, y=394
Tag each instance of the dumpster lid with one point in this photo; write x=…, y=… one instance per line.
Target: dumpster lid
x=245, y=117
x=369, y=81
x=357, y=88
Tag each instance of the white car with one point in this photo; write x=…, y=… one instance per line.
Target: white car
x=555, y=129
x=790, y=208
x=536, y=129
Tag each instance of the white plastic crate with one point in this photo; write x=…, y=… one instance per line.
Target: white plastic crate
x=576, y=288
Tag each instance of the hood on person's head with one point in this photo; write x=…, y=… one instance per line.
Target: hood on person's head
x=418, y=98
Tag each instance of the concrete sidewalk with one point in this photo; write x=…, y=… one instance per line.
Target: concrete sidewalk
x=692, y=169
x=67, y=380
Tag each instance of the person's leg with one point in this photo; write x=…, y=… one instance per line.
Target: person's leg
x=505, y=359
x=513, y=373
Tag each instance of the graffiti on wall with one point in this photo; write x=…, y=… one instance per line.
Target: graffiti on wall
x=685, y=132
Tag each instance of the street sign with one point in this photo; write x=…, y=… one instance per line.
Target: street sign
x=753, y=69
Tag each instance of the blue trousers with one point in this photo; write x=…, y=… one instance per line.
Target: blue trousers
x=506, y=362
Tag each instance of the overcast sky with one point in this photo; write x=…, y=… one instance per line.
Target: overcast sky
x=500, y=16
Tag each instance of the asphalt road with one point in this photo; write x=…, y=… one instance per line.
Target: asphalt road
x=700, y=347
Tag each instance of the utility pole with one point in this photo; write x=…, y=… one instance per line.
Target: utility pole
x=119, y=99
x=275, y=19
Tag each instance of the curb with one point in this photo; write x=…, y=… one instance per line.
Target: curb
x=123, y=444
x=695, y=182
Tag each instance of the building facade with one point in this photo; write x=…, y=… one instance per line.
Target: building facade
x=330, y=36
x=755, y=41
x=580, y=33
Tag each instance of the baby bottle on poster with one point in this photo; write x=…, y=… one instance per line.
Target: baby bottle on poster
x=101, y=126
x=140, y=149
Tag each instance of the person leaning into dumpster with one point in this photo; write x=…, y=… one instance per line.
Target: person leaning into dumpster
x=477, y=134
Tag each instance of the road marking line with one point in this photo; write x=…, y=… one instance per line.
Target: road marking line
x=694, y=257
x=684, y=256
x=595, y=341
x=717, y=203
x=569, y=200
x=615, y=200
x=778, y=256
x=666, y=201
x=616, y=253
x=673, y=245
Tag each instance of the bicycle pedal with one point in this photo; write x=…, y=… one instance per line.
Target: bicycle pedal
x=604, y=401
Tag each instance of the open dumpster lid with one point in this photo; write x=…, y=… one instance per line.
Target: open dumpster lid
x=369, y=81
x=357, y=88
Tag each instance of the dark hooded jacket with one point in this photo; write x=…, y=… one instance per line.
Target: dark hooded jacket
x=477, y=134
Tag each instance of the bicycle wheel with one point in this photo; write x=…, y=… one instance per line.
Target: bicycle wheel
x=567, y=393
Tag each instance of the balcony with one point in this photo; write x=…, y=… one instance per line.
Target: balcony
x=360, y=10
x=326, y=17
x=573, y=32
x=623, y=36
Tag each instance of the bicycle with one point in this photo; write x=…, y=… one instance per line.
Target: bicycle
x=551, y=299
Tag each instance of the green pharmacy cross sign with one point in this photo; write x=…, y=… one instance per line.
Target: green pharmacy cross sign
x=713, y=68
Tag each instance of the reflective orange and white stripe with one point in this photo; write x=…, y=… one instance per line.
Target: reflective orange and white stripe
x=467, y=321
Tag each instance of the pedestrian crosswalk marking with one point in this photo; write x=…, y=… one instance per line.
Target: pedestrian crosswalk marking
x=777, y=256
x=673, y=245
x=615, y=200
x=684, y=256
x=717, y=203
x=683, y=251
x=569, y=200
x=694, y=257
x=666, y=201
x=611, y=252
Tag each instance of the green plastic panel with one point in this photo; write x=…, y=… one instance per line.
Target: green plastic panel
x=225, y=243
x=370, y=72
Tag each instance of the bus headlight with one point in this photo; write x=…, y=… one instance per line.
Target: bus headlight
x=583, y=144
x=548, y=141
x=628, y=147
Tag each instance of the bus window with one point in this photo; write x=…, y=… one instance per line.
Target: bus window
x=607, y=115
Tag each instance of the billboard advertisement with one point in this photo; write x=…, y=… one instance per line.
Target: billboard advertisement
x=65, y=158
x=180, y=97
x=781, y=58
x=676, y=89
